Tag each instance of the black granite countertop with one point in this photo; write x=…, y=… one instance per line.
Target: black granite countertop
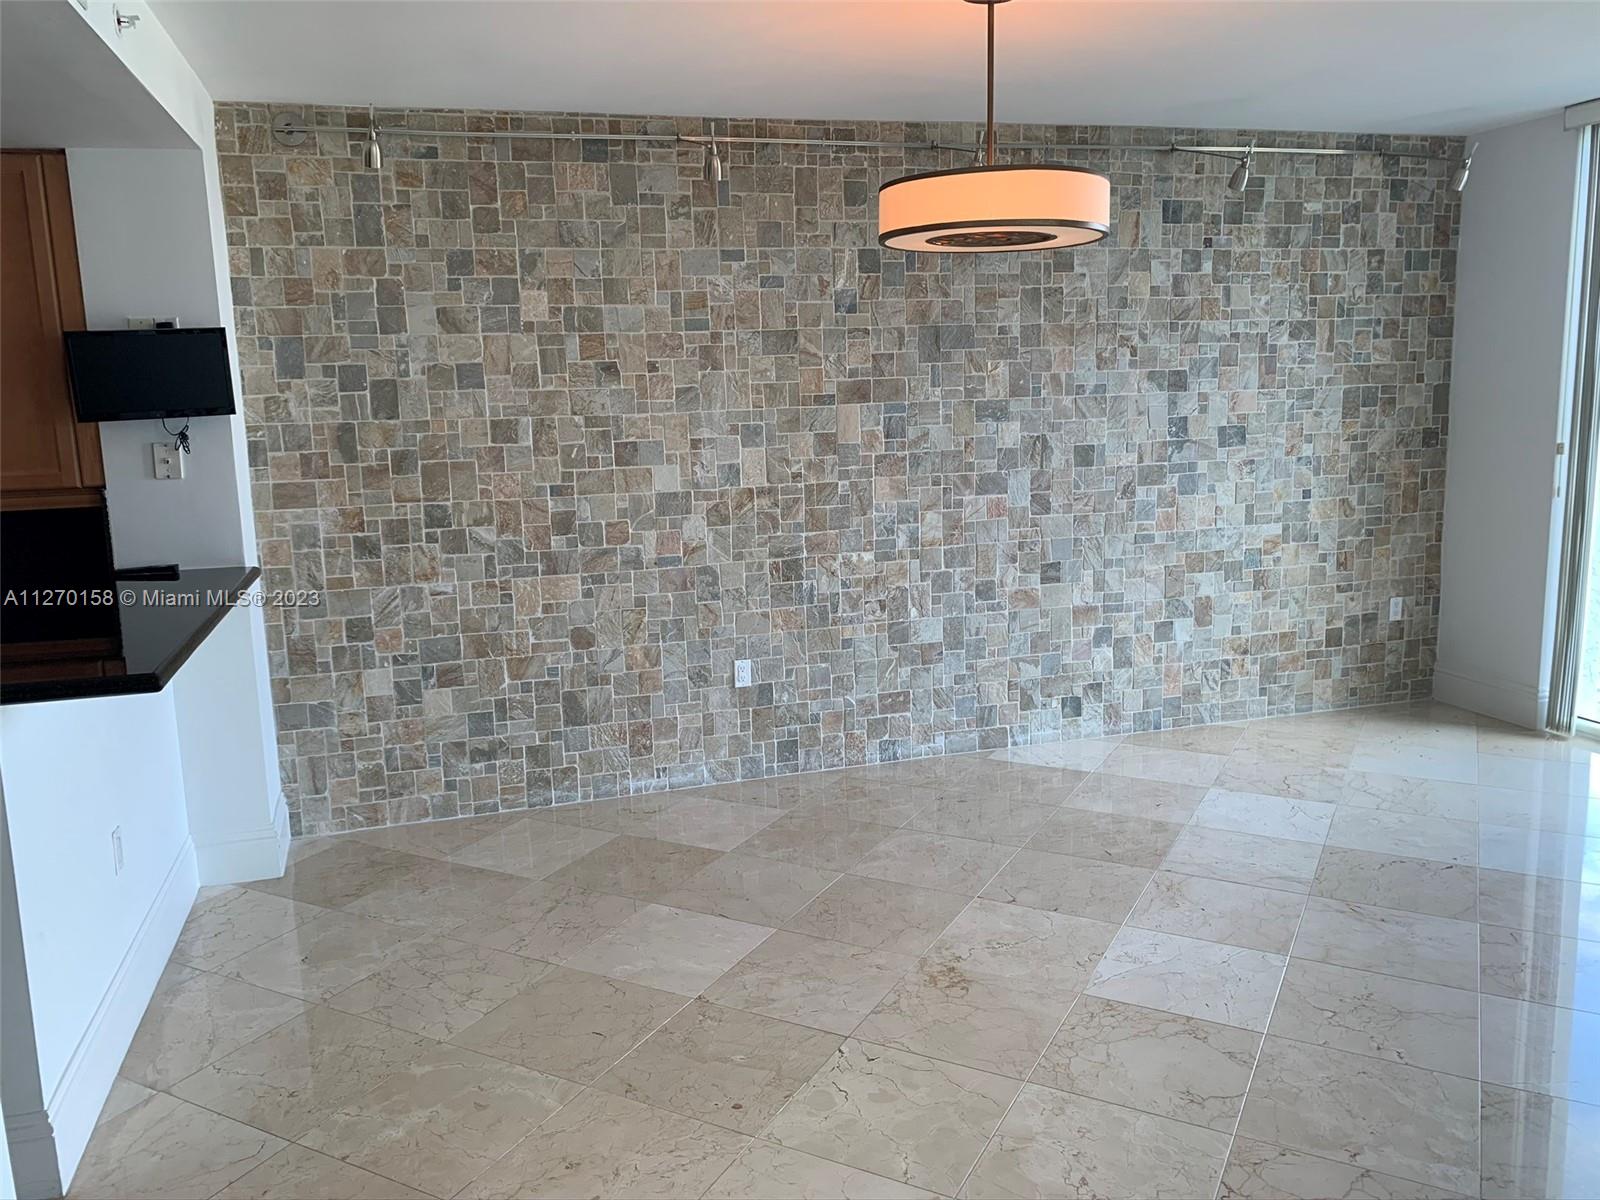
x=161, y=623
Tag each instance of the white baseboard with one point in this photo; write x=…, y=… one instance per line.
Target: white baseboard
x=75, y=1105
x=259, y=853
x=1514, y=702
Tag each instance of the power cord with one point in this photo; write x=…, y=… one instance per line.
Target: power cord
x=180, y=440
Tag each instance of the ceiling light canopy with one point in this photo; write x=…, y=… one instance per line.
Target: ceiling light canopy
x=976, y=210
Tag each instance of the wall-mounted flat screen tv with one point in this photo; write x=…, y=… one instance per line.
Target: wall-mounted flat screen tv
x=136, y=374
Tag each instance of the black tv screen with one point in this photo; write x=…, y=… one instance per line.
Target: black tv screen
x=134, y=374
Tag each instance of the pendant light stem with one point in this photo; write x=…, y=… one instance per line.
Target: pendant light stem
x=989, y=147
x=988, y=209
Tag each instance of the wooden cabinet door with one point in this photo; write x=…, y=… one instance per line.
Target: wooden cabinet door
x=43, y=448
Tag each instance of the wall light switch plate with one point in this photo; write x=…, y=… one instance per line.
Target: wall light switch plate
x=1397, y=609
x=741, y=673
x=167, y=459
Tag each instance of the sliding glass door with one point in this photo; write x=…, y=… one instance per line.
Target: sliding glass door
x=1586, y=692
x=1575, y=684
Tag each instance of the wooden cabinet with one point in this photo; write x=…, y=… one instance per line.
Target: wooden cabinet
x=47, y=458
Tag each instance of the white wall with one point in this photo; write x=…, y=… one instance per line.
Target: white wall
x=228, y=745
x=154, y=59
x=149, y=523
x=1509, y=398
x=55, y=85
x=96, y=939
x=144, y=249
x=202, y=754
x=188, y=778
x=137, y=212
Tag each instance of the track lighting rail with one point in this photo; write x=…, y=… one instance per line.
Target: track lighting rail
x=285, y=126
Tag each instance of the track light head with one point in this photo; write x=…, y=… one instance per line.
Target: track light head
x=714, y=167
x=1458, y=181
x=372, y=152
x=1240, y=178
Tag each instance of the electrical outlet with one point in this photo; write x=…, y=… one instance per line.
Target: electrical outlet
x=167, y=459
x=152, y=322
x=116, y=850
x=741, y=673
x=1397, y=609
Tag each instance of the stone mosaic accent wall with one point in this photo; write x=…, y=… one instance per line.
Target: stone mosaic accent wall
x=562, y=430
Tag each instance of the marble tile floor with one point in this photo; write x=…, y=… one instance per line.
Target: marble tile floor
x=1353, y=954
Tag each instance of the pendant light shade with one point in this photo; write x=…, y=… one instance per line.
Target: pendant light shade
x=977, y=209
x=994, y=207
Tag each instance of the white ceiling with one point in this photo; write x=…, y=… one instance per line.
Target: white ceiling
x=1424, y=66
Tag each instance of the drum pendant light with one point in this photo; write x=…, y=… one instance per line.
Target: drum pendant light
x=974, y=210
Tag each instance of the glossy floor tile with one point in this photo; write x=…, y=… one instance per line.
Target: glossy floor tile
x=1403, y=1121
x=1132, y=797
x=743, y=887
x=1341, y=955
x=1537, y=1145
x=547, y=922
x=227, y=921
x=670, y=949
x=811, y=981
x=295, y=1173
x=1215, y=982
x=721, y=1065
x=1400, y=1020
x=603, y=1145
x=1267, y=816
x=1083, y=887
x=1439, y=889
x=878, y=914
x=1247, y=858
x=767, y=1169
x=1552, y=853
x=1541, y=1048
x=441, y=1120
x=290, y=1080
x=571, y=1024
x=439, y=987
x=1050, y=1139
x=934, y=860
x=1540, y=967
x=165, y=1147
x=897, y=1114
x=990, y=992
x=195, y=1018
x=1386, y=940
x=1157, y=1062
x=1262, y=1171
x=1438, y=838
x=534, y=847
x=1218, y=911
x=325, y=955
x=940, y=1010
